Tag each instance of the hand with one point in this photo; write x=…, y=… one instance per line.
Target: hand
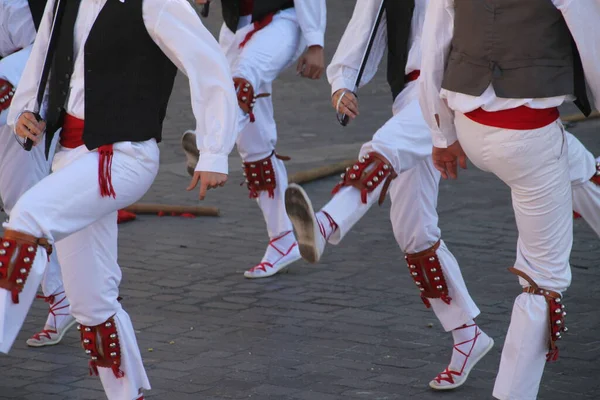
x=444, y=160
x=312, y=63
x=201, y=2
x=348, y=105
x=208, y=180
x=28, y=127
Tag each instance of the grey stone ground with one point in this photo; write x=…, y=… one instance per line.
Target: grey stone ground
x=352, y=327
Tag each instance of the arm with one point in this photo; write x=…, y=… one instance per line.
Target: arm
x=17, y=26
x=180, y=34
x=23, y=103
x=343, y=70
x=436, y=42
x=312, y=18
x=582, y=19
x=11, y=68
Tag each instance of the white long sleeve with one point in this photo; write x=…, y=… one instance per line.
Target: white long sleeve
x=343, y=69
x=11, y=68
x=177, y=30
x=437, y=37
x=582, y=18
x=180, y=34
x=312, y=18
x=17, y=30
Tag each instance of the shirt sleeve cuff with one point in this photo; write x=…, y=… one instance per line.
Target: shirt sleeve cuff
x=442, y=141
x=314, y=39
x=341, y=83
x=213, y=163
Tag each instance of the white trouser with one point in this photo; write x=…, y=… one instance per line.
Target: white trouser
x=534, y=164
x=586, y=194
x=20, y=170
x=67, y=209
x=406, y=142
x=260, y=61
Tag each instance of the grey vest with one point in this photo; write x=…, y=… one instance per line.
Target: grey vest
x=523, y=47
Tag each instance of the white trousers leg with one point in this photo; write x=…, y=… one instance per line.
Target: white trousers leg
x=415, y=223
x=67, y=203
x=260, y=61
x=586, y=194
x=406, y=142
x=20, y=171
x=534, y=164
x=96, y=289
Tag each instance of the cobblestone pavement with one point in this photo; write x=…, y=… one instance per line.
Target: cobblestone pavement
x=352, y=327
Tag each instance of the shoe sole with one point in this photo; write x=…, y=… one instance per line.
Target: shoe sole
x=282, y=270
x=57, y=340
x=192, y=155
x=467, y=372
x=301, y=213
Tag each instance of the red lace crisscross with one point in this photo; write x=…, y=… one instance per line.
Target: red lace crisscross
x=53, y=310
x=447, y=374
x=332, y=225
x=264, y=264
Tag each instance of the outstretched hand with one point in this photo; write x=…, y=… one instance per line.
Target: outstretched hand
x=208, y=180
x=445, y=160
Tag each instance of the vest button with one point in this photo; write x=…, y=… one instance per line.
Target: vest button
x=67, y=76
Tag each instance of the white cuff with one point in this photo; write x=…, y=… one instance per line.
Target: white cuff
x=341, y=83
x=213, y=163
x=314, y=39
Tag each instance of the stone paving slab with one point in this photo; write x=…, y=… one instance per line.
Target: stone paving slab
x=352, y=327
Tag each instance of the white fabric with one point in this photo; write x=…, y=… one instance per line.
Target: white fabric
x=16, y=26
x=582, y=18
x=534, y=164
x=343, y=69
x=83, y=226
x=405, y=141
x=586, y=194
x=260, y=61
x=273, y=209
x=22, y=169
x=179, y=33
x=312, y=18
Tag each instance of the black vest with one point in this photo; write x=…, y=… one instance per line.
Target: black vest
x=128, y=79
x=399, y=16
x=522, y=47
x=37, y=11
x=261, y=8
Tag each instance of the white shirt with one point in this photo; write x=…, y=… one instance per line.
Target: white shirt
x=16, y=26
x=582, y=17
x=177, y=30
x=343, y=70
x=312, y=18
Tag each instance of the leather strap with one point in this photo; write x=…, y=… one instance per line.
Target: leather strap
x=21, y=237
x=533, y=288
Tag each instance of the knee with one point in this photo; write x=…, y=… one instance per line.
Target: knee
x=26, y=216
x=92, y=310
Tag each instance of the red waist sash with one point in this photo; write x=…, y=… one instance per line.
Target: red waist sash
x=519, y=118
x=71, y=137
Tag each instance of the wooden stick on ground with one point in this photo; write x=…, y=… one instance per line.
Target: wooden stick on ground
x=579, y=117
x=320, y=172
x=149, y=208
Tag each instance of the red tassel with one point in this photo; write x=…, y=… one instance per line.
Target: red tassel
x=251, y=114
x=118, y=373
x=15, y=296
x=363, y=196
x=188, y=215
x=104, y=171
x=426, y=302
x=446, y=299
x=337, y=188
x=552, y=355
x=271, y=194
x=93, y=368
x=258, y=25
